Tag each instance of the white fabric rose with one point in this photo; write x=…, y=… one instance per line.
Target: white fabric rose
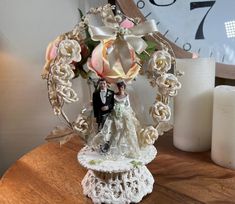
x=161, y=61
x=67, y=93
x=62, y=70
x=62, y=82
x=81, y=125
x=69, y=51
x=147, y=136
x=168, y=84
x=62, y=74
x=160, y=112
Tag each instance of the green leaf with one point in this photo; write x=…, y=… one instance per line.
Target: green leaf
x=89, y=73
x=91, y=44
x=94, y=162
x=83, y=74
x=136, y=163
x=143, y=56
x=76, y=73
x=151, y=47
x=80, y=13
x=79, y=71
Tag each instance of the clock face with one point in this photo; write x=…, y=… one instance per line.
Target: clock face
x=204, y=27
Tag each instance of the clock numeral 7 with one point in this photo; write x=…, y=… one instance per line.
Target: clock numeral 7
x=201, y=4
x=154, y=3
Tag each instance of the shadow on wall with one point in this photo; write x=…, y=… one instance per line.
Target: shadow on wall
x=3, y=42
x=25, y=114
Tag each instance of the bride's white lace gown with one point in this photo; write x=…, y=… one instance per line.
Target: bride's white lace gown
x=120, y=130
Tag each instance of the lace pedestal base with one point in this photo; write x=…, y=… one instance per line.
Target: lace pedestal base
x=118, y=188
x=116, y=179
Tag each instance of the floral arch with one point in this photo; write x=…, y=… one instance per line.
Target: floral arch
x=122, y=48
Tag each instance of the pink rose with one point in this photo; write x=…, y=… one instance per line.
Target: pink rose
x=99, y=64
x=51, y=51
x=127, y=24
x=95, y=63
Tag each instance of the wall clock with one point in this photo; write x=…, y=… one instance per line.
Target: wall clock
x=204, y=27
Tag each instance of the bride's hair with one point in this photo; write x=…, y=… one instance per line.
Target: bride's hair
x=121, y=83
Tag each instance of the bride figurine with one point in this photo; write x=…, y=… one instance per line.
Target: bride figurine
x=119, y=133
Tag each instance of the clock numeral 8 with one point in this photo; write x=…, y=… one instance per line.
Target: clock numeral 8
x=157, y=4
x=140, y=4
x=201, y=4
x=187, y=46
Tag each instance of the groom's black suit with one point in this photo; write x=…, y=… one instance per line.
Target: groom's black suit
x=98, y=104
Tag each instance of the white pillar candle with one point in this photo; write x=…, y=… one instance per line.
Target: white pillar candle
x=223, y=131
x=194, y=105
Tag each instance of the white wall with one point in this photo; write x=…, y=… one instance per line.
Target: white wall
x=26, y=27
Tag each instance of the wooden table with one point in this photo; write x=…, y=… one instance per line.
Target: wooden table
x=51, y=174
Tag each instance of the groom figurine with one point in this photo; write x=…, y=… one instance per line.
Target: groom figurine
x=103, y=101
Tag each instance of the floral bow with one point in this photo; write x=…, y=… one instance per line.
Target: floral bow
x=124, y=38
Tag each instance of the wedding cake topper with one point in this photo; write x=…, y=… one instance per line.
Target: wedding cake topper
x=114, y=53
